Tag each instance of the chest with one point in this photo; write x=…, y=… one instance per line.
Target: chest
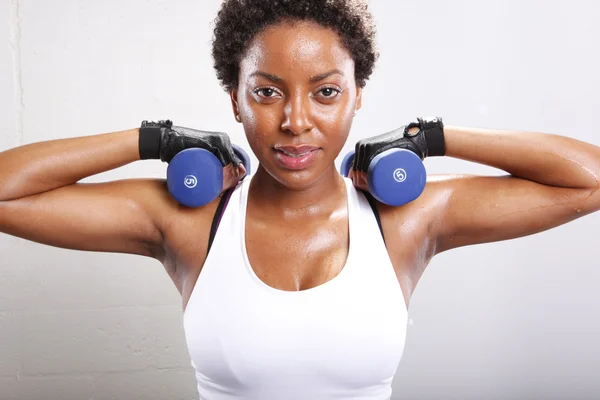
x=297, y=254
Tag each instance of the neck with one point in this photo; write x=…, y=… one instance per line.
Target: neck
x=323, y=196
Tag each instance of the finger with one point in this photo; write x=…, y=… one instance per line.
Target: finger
x=413, y=131
x=232, y=175
x=241, y=171
x=351, y=175
x=359, y=179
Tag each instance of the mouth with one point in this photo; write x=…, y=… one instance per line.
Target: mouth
x=296, y=157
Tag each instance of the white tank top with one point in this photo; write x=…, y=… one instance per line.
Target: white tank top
x=341, y=340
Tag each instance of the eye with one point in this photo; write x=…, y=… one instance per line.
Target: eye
x=329, y=92
x=265, y=92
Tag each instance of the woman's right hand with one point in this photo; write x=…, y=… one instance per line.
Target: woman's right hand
x=161, y=140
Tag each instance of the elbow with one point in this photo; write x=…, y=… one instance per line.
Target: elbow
x=594, y=190
x=594, y=197
x=589, y=199
x=589, y=202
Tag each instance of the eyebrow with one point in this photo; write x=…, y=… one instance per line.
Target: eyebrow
x=313, y=79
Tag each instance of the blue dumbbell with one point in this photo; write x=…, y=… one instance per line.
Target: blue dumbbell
x=195, y=176
x=395, y=177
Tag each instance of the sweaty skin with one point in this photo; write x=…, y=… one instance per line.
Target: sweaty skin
x=296, y=88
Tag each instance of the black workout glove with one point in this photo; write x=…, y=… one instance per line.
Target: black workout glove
x=427, y=142
x=161, y=140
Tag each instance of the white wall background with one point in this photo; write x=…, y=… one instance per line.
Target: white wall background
x=511, y=320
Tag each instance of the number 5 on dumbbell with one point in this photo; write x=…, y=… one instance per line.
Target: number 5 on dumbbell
x=195, y=176
x=395, y=177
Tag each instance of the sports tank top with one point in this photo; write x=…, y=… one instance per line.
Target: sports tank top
x=340, y=340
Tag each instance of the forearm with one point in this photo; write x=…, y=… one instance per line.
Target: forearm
x=544, y=158
x=43, y=166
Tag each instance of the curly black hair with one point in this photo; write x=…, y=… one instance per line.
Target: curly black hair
x=239, y=21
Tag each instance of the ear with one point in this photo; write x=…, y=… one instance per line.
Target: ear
x=358, y=99
x=234, y=105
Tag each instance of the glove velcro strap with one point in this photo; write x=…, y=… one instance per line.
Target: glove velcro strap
x=149, y=139
x=433, y=129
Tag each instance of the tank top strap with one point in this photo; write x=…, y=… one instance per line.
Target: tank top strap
x=363, y=205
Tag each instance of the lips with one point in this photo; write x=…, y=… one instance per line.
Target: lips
x=296, y=157
x=296, y=151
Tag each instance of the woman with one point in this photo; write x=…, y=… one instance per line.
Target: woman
x=302, y=294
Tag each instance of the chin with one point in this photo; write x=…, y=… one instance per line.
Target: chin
x=298, y=180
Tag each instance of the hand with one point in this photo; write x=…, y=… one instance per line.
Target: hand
x=161, y=140
x=425, y=138
x=174, y=139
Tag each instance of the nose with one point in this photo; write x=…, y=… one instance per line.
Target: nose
x=297, y=117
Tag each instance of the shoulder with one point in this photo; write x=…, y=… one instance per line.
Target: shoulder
x=437, y=193
x=418, y=222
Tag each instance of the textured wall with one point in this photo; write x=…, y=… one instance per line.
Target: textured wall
x=510, y=320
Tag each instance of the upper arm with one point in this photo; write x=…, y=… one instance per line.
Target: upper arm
x=478, y=209
x=121, y=216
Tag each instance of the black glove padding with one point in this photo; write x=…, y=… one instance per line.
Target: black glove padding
x=161, y=140
x=427, y=142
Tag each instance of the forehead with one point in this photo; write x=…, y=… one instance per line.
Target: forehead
x=296, y=48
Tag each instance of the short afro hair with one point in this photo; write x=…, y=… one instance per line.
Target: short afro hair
x=239, y=21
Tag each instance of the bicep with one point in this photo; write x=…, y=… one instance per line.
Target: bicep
x=481, y=209
x=120, y=216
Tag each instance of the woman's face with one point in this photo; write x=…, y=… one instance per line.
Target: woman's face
x=296, y=98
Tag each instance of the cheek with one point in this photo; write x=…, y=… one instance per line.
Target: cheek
x=257, y=139
x=261, y=121
x=259, y=126
x=336, y=119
